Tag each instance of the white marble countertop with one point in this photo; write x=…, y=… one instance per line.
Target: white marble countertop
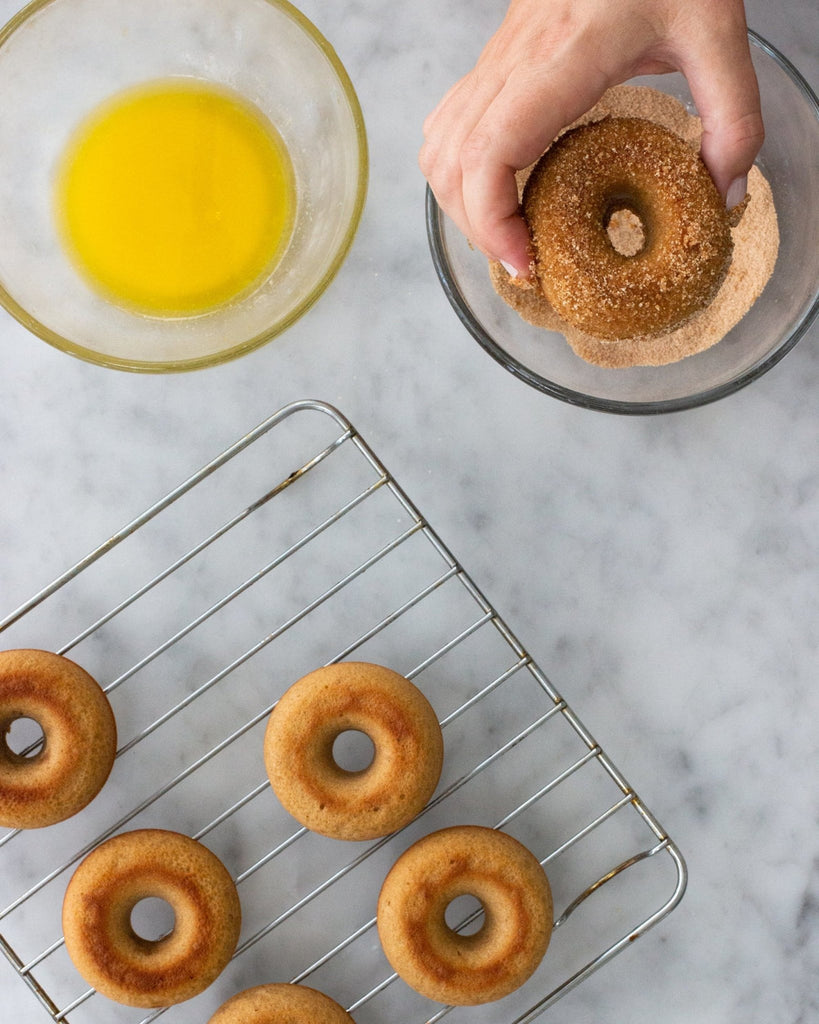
x=664, y=571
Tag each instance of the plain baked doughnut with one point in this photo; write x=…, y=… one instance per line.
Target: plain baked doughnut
x=79, y=738
x=597, y=170
x=281, y=1004
x=392, y=712
x=465, y=969
x=104, y=890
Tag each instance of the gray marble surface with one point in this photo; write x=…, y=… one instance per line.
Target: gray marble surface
x=663, y=571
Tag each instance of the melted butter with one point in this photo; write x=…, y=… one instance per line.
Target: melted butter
x=175, y=197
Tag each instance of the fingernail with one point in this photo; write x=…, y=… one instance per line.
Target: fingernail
x=510, y=270
x=736, y=192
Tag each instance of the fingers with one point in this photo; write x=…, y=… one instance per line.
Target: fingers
x=515, y=129
x=481, y=133
x=446, y=130
x=545, y=67
x=717, y=64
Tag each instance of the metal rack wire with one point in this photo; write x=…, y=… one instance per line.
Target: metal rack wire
x=198, y=614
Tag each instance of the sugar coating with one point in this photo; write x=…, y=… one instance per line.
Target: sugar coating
x=755, y=247
x=630, y=163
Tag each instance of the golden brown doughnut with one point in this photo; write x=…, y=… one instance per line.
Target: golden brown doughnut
x=106, y=887
x=591, y=173
x=79, y=738
x=465, y=969
x=281, y=1004
x=392, y=712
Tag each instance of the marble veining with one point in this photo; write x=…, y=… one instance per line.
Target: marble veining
x=664, y=572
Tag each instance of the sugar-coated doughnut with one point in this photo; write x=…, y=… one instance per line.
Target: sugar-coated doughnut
x=596, y=171
x=108, y=884
x=392, y=712
x=433, y=958
x=79, y=738
x=281, y=1004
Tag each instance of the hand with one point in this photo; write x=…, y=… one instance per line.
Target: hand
x=548, y=63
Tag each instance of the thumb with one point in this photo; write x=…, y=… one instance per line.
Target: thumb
x=725, y=91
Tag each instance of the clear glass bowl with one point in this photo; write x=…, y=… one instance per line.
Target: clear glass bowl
x=59, y=59
x=780, y=317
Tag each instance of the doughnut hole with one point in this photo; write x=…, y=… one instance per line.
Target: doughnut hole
x=353, y=751
x=23, y=738
x=464, y=915
x=486, y=933
x=626, y=229
x=152, y=918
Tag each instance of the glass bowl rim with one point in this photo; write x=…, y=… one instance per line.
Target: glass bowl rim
x=434, y=221
x=54, y=338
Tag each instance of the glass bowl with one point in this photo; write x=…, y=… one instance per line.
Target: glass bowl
x=60, y=59
x=780, y=317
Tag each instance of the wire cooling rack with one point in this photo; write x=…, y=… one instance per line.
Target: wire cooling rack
x=196, y=617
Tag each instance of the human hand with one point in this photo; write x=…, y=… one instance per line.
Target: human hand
x=551, y=61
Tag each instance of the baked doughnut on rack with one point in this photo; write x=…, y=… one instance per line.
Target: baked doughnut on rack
x=112, y=880
x=79, y=738
x=360, y=697
x=460, y=968
x=281, y=1004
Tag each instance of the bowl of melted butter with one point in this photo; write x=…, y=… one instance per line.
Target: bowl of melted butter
x=179, y=182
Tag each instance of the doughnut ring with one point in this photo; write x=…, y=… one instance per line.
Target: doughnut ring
x=589, y=176
x=104, y=890
x=79, y=738
x=315, y=789
x=433, y=958
x=281, y=1004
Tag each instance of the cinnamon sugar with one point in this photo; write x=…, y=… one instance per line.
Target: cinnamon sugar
x=755, y=238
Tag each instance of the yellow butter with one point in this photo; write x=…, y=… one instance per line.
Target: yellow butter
x=175, y=197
